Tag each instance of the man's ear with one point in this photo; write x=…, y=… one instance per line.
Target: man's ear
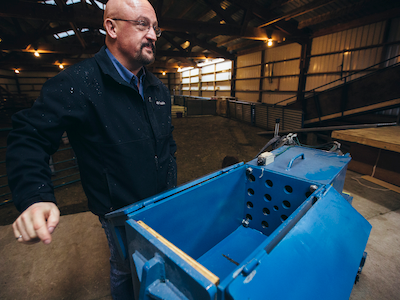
x=109, y=26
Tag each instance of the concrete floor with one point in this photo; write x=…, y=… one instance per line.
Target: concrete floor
x=75, y=264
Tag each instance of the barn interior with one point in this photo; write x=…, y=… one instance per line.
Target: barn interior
x=237, y=71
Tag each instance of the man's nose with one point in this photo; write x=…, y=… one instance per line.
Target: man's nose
x=151, y=34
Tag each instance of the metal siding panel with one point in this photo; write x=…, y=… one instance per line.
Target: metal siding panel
x=287, y=68
x=394, y=34
x=209, y=107
x=239, y=111
x=232, y=109
x=364, y=32
x=313, y=82
x=249, y=72
x=207, y=94
x=272, y=98
x=267, y=85
x=193, y=107
x=249, y=59
x=246, y=113
x=224, y=93
x=273, y=114
x=289, y=83
x=248, y=85
x=261, y=116
x=246, y=96
x=282, y=53
x=292, y=119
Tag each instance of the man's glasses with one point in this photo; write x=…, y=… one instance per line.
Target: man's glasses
x=143, y=25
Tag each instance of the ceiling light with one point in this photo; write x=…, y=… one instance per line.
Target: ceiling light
x=61, y=66
x=37, y=54
x=269, y=43
x=185, y=44
x=163, y=73
x=16, y=71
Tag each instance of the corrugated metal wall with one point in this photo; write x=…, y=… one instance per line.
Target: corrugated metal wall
x=272, y=76
x=335, y=55
x=279, y=79
x=332, y=58
x=265, y=116
x=248, y=66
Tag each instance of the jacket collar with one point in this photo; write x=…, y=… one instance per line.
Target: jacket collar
x=108, y=68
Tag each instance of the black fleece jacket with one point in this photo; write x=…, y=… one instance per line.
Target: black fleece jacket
x=123, y=143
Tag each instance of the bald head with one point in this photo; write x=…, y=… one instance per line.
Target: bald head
x=123, y=8
x=131, y=42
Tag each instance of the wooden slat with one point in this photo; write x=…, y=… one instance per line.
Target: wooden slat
x=199, y=267
x=382, y=183
x=356, y=110
x=382, y=137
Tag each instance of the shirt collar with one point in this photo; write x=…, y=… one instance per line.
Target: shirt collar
x=124, y=72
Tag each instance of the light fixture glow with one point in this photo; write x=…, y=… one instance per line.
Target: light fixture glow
x=16, y=71
x=37, y=54
x=269, y=44
x=163, y=73
x=61, y=66
x=210, y=62
x=185, y=69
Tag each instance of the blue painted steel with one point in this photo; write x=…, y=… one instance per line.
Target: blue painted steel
x=318, y=166
x=293, y=159
x=263, y=230
x=317, y=259
x=159, y=264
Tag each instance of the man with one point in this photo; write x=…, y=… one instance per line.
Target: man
x=118, y=119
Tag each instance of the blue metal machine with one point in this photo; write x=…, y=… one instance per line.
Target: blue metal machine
x=278, y=231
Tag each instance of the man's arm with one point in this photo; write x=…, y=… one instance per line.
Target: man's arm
x=36, y=135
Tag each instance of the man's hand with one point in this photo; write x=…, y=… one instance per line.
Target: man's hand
x=37, y=223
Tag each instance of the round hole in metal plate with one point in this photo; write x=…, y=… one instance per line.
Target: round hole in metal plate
x=264, y=224
x=250, y=192
x=249, y=217
x=267, y=197
x=269, y=183
x=251, y=178
x=288, y=189
x=283, y=218
x=249, y=204
x=276, y=208
x=286, y=204
x=266, y=211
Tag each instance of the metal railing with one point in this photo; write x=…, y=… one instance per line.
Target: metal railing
x=343, y=79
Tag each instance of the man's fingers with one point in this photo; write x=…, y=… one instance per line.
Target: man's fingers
x=37, y=223
x=39, y=218
x=53, y=219
x=26, y=226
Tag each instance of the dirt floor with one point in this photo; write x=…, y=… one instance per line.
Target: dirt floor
x=202, y=141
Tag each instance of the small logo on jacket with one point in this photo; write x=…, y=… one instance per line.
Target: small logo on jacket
x=160, y=102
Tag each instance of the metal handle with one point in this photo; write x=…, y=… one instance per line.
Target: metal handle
x=293, y=159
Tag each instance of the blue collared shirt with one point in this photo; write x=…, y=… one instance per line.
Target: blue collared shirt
x=127, y=75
